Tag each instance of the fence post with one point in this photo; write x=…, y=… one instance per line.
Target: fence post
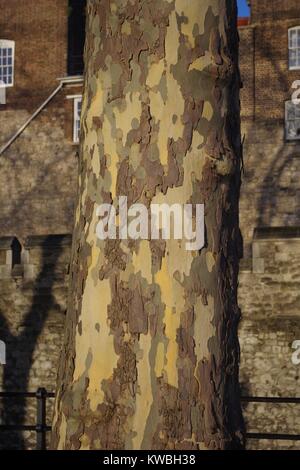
x=41, y=395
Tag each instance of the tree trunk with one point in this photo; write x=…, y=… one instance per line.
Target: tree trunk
x=151, y=354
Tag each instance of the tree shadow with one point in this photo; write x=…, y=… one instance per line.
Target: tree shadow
x=20, y=347
x=267, y=207
x=260, y=132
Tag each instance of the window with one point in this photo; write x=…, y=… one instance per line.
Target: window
x=76, y=36
x=76, y=122
x=7, y=53
x=292, y=121
x=294, y=48
x=16, y=252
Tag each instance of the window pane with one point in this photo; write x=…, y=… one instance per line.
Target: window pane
x=293, y=58
x=297, y=111
x=292, y=123
x=77, y=112
x=291, y=130
x=293, y=38
x=290, y=111
x=6, y=64
x=298, y=57
x=297, y=129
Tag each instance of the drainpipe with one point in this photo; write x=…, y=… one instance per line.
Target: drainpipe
x=19, y=132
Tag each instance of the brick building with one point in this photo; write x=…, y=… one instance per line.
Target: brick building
x=41, y=45
x=39, y=167
x=41, y=66
x=269, y=291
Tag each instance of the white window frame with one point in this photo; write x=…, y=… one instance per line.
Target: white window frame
x=295, y=48
x=8, y=44
x=76, y=118
x=297, y=119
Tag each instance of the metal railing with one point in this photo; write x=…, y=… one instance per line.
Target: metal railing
x=41, y=428
x=272, y=436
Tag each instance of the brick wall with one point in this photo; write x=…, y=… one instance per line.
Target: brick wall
x=39, y=29
x=38, y=172
x=270, y=198
x=270, y=192
x=274, y=9
x=267, y=80
x=246, y=34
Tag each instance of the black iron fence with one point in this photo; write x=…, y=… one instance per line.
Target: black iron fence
x=272, y=436
x=41, y=428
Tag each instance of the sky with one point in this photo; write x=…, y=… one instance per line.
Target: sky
x=243, y=8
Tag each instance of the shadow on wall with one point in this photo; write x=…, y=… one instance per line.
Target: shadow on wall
x=272, y=164
x=269, y=204
x=20, y=347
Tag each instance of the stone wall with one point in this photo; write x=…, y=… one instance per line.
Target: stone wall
x=32, y=311
x=269, y=295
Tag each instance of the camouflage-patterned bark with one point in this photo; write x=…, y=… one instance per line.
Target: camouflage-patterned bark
x=151, y=351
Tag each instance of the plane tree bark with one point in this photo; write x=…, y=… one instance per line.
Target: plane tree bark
x=150, y=358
